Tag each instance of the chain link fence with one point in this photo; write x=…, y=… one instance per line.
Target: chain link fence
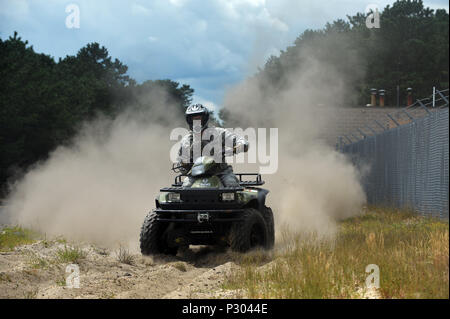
x=407, y=166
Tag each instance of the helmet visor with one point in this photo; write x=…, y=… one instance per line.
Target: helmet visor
x=196, y=122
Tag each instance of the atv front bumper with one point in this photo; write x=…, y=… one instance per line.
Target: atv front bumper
x=197, y=227
x=199, y=216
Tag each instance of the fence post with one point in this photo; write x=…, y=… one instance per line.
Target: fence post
x=434, y=96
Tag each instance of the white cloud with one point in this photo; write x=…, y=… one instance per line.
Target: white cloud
x=201, y=25
x=17, y=8
x=266, y=18
x=209, y=104
x=177, y=3
x=138, y=9
x=213, y=43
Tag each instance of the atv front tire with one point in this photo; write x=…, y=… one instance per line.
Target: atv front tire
x=268, y=215
x=250, y=233
x=153, y=240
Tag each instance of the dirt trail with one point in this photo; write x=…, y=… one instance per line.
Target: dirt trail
x=34, y=271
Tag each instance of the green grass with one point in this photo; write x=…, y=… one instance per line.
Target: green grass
x=12, y=237
x=61, y=281
x=70, y=254
x=412, y=253
x=37, y=262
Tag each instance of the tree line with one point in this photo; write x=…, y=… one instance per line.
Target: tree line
x=410, y=49
x=43, y=101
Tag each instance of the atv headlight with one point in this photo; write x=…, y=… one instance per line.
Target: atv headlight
x=173, y=197
x=227, y=196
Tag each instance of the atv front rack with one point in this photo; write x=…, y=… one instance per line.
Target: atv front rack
x=257, y=182
x=178, y=188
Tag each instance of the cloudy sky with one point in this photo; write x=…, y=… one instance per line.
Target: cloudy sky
x=209, y=44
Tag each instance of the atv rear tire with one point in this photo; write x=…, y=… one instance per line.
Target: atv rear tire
x=153, y=240
x=251, y=232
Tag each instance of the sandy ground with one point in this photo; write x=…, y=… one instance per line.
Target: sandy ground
x=34, y=271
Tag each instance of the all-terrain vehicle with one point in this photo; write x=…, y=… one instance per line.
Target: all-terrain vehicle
x=208, y=213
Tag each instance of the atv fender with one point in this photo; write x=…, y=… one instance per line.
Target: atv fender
x=256, y=199
x=262, y=193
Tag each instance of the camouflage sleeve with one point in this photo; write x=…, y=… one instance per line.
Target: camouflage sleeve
x=184, y=154
x=239, y=142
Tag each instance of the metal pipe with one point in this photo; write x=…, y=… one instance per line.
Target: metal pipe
x=408, y=96
x=381, y=93
x=373, y=97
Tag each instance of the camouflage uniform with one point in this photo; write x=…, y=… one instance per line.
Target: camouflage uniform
x=225, y=173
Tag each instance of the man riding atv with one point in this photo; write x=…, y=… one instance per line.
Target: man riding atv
x=212, y=206
x=197, y=117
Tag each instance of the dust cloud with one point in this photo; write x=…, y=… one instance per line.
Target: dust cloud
x=100, y=188
x=315, y=186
